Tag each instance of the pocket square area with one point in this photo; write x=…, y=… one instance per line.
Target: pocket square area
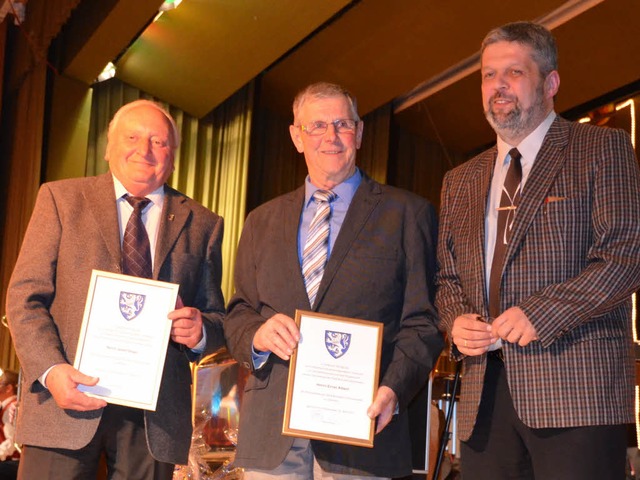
x=554, y=199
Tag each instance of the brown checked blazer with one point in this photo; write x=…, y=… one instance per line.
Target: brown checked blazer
x=74, y=229
x=381, y=269
x=571, y=266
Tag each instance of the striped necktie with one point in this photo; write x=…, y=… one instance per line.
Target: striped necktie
x=314, y=255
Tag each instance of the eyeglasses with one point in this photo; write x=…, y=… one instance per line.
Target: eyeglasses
x=343, y=125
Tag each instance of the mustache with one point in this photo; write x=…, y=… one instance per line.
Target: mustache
x=501, y=96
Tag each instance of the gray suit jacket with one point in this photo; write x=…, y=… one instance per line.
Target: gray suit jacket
x=74, y=229
x=571, y=266
x=381, y=269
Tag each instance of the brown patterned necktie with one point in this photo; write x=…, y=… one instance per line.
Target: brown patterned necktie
x=511, y=191
x=136, y=252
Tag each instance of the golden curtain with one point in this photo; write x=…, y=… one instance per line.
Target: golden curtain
x=211, y=164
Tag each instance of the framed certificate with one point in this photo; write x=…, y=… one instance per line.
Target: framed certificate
x=333, y=378
x=124, y=337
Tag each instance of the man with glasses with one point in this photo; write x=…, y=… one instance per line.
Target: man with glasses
x=378, y=265
x=539, y=255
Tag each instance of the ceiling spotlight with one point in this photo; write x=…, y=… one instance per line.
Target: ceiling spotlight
x=169, y=5
x=108, y=72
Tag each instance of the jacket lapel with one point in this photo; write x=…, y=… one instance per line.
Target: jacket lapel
x=175, y=214
x=291, y=220
x=478, y=194
x=101, y=203
x=546, y=167
x=363, y=203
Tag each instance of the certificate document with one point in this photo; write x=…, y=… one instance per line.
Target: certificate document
x=124, y=337
x=333, y=377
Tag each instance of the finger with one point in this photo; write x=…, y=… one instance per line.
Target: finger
x=76, y=377
x=472, y=352
x=383, y=420
x=514, y=336
x=527, y=338
x=503, y=331
x=281, y=349
x=288, y=330
x=273, y=342
x=82, y=402
x=481, y=344
x=186, y=313
x=285, y=333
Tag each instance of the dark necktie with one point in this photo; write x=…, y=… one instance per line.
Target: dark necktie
x=509, y=200
x=314, y=255
x=136, y=253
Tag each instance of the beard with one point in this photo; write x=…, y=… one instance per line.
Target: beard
x=518, y=122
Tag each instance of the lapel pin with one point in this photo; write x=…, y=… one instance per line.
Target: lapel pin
x=171, y=217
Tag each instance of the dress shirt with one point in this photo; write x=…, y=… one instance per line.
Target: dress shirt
x=345, y=192
x=150, y=215
x=528, y=148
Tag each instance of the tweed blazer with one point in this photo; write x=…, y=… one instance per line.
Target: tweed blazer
x=74, y=229
x=571, y=266
x=381, y=269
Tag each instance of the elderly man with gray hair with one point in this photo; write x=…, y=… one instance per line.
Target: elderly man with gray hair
x=79, y=225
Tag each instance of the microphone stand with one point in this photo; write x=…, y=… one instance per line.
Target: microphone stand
x=444, y=439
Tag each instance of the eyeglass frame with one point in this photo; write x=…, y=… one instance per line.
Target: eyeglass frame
x=312, y=132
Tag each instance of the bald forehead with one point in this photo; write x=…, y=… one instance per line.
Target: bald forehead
x=148, y=110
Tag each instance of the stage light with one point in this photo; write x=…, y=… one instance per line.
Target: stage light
x=108, y=72
x=169, y=5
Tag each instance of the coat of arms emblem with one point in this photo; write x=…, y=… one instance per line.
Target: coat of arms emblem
x=337, y=343
x=131, y=304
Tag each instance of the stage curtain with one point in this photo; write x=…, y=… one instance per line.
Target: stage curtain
x=23, y=93
x=211, y=165
x=374, y=151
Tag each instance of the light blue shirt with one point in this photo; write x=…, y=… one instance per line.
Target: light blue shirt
x=345, y=192
x=339, y=207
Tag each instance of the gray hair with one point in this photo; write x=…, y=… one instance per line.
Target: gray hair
x=539, y=38
x=324, y=90
x=175, y=134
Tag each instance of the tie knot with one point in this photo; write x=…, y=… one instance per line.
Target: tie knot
x=324, y=196
x=138, y=203
x=515, y=155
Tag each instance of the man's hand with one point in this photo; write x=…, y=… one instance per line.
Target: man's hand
x=513, y=326
x=471, y=335
x=63, y=380
x=278, y=335
x=187, y=325
x=383, y=407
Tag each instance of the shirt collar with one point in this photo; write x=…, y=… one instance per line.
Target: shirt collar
x=156, y=197
x=345, y=190
x=530, y=146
